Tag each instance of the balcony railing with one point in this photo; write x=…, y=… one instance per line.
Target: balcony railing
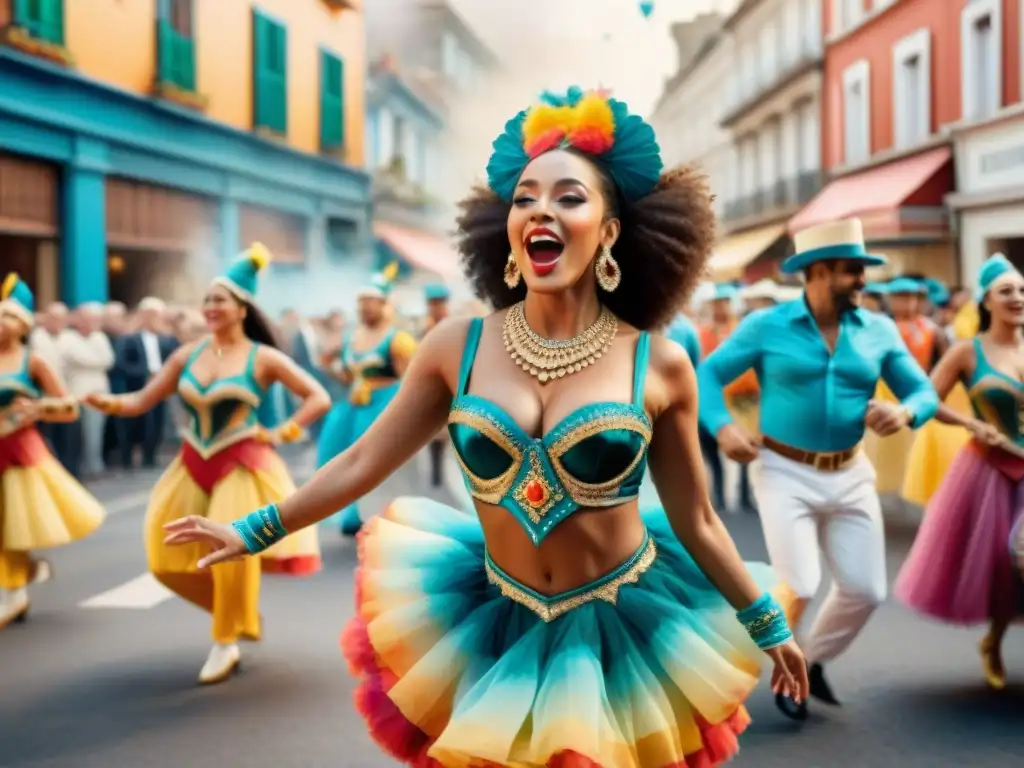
x=783, y=194
x=746, y=93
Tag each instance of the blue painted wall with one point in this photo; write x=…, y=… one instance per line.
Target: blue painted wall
x=93, y=131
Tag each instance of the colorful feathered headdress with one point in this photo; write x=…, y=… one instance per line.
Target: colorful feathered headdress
x=241, y=277
x=589, y=122
x=379, y=286
x=17, y=298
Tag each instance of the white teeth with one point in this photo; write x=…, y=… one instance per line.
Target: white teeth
x=543, y=239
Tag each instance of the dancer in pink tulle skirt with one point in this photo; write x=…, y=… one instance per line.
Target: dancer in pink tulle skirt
x=961, y=569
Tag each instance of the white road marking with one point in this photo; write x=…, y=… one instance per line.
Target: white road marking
x=127, y=503
x=141, y=593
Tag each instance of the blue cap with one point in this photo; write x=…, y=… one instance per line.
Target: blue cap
x=875, y=288
x=905, y=285
x=726, y=291
x=17, y=297
x=938, y=293
x=241, y=276
x=437, y=292
x=994, y=267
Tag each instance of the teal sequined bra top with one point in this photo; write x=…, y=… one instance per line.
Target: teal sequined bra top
x=17, y=383
x=594, y=457
x=997, y=398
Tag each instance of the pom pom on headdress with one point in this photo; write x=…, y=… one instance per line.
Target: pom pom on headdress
x=390, y=272
x=260, y=256
x=8, y=287
x=589, y=122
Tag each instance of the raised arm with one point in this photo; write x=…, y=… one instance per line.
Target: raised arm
x=159, y=388
x=908, y=380
x=678, y=473
x=56, y=405
x=272, y=366
x=730, y=360
x=409, y=422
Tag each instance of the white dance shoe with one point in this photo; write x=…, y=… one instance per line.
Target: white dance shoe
x=13, y=606
x=220, y=664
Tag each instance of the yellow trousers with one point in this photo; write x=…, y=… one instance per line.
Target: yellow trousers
x=230, y=592
x=15, y=569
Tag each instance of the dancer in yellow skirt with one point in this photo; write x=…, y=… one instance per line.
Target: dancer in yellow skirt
x=227, y=461
x=41, y=504
x=936, y=444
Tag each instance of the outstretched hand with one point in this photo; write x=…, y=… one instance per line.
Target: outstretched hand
x=224, y=540
x=790, y=674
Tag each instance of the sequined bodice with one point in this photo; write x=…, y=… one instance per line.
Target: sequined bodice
x=374, y=363
x=594, y=457
x=222, y=412
x=997, y=398
x=17, y=383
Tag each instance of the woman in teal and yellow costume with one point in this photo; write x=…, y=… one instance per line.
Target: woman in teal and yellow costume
x=41, y=505
x=936, y=444
x=371, y=362
x=558, y=626
x=227, y=459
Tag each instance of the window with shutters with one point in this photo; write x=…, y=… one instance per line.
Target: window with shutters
x=42, y=19
x=175, y=46
x=332, y=102
x=269, y=74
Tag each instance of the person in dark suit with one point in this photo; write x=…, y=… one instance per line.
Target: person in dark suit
x=115, y=431
x=140, y=355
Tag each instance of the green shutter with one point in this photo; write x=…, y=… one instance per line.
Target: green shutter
x=176, y=57
x=332, y=101
x=270, y=74
x=44, y=19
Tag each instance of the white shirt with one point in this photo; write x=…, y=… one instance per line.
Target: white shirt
x=86, y=362
x=151, y=343
x=49, y=348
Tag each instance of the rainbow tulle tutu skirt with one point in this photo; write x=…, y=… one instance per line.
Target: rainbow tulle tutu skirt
x=460, y=666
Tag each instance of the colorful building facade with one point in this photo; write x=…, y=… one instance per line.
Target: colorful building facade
x=897, y=80
x=141, y=143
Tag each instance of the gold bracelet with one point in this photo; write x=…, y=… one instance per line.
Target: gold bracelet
x=59, y=407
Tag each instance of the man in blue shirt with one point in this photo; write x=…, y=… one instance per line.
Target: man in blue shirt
x=818, y=360
x=684, y=333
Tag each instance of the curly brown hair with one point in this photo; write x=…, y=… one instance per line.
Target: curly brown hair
x=662, y=250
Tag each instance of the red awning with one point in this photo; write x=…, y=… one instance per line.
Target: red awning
x=423, y=250
x=883, y=188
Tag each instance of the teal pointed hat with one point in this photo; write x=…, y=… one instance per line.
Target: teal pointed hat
x=241, y=276
x=437, y=292
x=17, y=297
x=379, y=285
x=994, y=267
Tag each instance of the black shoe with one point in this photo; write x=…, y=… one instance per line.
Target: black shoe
x=790, y=708
x=820, y=689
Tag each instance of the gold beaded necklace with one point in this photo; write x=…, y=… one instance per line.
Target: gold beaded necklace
x=545, y=359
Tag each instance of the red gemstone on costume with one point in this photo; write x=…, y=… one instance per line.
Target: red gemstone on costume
x=536, y=493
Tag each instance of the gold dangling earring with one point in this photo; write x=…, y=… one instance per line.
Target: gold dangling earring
x=609, y=275
x=512, y=273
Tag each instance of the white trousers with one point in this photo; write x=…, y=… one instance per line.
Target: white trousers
x=806, y=513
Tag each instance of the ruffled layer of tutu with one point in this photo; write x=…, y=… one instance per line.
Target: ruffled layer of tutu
x=41, y=504
x=242, y=477
x=453, y=674
x=960, y=569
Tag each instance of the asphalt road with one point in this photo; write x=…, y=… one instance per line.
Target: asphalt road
x=84, y=687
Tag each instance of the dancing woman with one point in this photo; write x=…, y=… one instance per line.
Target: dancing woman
x=371, y=361
x=960, y=569
x=41, y=505
x=227, y=459
x=558, y=626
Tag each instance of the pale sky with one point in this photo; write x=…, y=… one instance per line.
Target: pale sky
x=556, y=43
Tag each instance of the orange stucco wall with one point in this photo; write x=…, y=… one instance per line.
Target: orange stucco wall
x=115, y=41
x=875, y=41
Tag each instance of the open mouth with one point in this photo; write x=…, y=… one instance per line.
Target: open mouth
x=544, y=248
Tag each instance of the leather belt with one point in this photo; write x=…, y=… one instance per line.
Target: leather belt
x=831, y=461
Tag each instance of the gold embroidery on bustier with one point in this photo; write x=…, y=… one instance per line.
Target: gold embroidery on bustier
x=535, y=494
x=488, y=491
x=551, y=610
x=200, y=434
x=598, y=494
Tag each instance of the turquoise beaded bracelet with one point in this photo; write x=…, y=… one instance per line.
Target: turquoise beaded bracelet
x=261, y=529
x=765, y=622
